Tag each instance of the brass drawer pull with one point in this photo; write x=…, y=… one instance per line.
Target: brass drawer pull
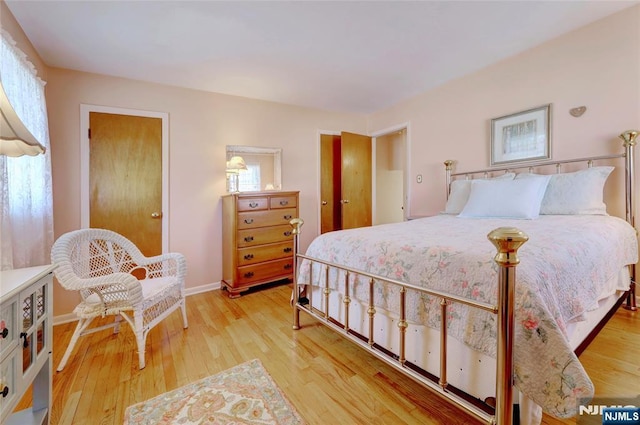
x=284, y=202
x=287, y=217
x=287, y=266
x=248, y=239
x=288, y=249
x=253, y=204
x=248, y=257
x=248, y=220
x=248, y=274
x=5, y=332
x=287, y=233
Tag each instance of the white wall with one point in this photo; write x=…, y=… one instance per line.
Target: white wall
x=201, y=124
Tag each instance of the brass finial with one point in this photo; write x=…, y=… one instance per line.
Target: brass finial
x=296, y=223
x=448, y=163
x=629, y=137
x=507, y=241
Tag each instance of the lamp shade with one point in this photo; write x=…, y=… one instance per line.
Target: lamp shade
x=15, y=138
x=236, y=163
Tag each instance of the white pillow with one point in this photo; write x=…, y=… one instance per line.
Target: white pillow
x=506, y=198
x=460, y=193
x=580, y=192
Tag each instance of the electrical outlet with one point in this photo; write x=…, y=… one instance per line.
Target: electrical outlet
x=419, y=178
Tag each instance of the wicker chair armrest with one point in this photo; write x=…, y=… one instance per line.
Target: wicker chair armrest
x=72, y=282
x=169, y=264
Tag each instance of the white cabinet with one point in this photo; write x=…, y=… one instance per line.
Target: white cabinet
x=26, y=338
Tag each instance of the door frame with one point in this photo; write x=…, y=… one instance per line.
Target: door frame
x=85, y=110
x=406, y=207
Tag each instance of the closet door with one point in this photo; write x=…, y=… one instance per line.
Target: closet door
x=330, y=182
x=125, y=177
x=356, y=180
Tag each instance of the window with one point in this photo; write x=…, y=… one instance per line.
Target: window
x=250, y=178
x=26, y=216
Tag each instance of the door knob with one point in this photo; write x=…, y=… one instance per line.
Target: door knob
x=324, y=202
x=156, y=215
x=344, y=201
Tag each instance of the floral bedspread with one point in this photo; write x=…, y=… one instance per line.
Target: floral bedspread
x=562, y=269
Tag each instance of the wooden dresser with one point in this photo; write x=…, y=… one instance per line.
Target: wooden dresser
x=257, y=239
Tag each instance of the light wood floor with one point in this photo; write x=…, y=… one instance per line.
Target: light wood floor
x=327, y=378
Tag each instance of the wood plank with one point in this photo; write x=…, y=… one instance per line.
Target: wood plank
x=324, y=376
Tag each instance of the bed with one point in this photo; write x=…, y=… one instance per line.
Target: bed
x=394, y=288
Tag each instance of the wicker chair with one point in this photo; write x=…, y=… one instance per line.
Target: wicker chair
x=101, y=265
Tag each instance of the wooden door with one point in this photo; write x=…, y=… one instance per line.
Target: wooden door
x=330, y=181
x=356, y=180
x=125, y=177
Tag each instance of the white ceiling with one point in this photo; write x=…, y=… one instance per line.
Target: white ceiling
x=359, y=56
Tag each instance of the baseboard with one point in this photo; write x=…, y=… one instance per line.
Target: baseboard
x=203, y=288
x=71, y=317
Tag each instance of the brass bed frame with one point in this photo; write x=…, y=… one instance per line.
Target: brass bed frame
x=507, y=241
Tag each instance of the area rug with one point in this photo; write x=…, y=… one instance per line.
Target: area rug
x=244, y=394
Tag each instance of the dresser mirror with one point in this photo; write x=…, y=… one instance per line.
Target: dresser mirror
x=252, y=168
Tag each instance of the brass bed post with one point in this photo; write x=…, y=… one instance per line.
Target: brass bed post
x=507, y=240
x=371, y=311
x=402, y=324
x=448, y=164
x=326, y=291
x=630, y=141
x=346, y=301
x=443, y=343
x=296, y=223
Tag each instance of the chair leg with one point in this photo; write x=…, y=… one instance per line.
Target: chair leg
x=141, y=340
x=183, y=307
x=82, y=325
x=118, y=320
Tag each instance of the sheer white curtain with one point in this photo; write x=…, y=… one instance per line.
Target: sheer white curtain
x=26, y=214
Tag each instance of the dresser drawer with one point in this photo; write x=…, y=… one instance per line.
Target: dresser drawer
x=259, y=254
x=8, y=326
x=283, y=202
x=253, y=204
x=264, y=271
x=248, y=220
x=263, y=235
x=8, y=380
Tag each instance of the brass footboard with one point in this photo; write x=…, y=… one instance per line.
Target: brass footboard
x=507, y=242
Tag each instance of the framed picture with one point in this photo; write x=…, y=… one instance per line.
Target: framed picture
x=521, y=137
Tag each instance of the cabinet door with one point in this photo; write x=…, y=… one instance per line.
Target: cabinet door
x=34, y=334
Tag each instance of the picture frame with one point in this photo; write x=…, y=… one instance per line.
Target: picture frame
x=521, y=137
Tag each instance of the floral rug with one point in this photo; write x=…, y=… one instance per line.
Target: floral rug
x=244, y=394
